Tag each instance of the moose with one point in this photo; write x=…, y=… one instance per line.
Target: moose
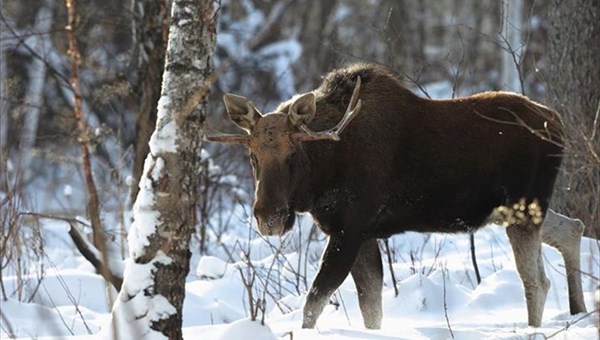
x=367, y=158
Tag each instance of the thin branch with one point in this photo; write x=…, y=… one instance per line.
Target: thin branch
x=84, y=138
x=389, y=256
x=474, y=257
x=519, y=122
x=446, y=305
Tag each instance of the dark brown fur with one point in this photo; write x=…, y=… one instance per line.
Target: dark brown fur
x=405, y=163
x=417, y=164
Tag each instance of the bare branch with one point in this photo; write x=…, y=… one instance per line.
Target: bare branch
x=94, y=257
x=84, y=140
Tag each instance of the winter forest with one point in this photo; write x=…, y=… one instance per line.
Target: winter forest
x=119, y=220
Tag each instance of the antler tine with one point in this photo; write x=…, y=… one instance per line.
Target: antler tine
x=333, y=134
x=228, y=138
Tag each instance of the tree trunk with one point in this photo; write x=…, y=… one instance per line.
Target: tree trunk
x=4, y=106
x=151, y=300
x=151, y=34
x=573, y=81
x=34, y=97
x=511, y=42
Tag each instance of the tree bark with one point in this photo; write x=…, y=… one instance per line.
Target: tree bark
x=512, y=42
x=4, y=106
x=34, y=97
x=151, y=299
x=573, y=81
x=151, y=34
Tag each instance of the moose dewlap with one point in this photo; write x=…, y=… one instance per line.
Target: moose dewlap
x=367, y=159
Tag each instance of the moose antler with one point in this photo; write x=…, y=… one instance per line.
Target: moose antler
x=332, y=134
x=228, y=138
x=306, y=134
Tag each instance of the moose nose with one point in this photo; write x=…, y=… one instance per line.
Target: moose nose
x=260, y=211
x=261, y=214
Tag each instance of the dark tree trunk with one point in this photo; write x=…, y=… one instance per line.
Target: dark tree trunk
x=573, y=89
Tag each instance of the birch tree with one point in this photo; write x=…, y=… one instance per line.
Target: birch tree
x=512, y=45
x=35, y=89
x=150, y=302
x=150, y=41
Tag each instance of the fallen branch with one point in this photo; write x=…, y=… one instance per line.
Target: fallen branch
x=94, y=256
x=103, y=265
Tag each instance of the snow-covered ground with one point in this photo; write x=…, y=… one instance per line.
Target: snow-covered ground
x=438, y=297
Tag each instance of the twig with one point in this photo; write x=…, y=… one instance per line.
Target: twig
x=6, y=326
x=569, y=324
x=389, y=256
x=446, y=305
x=474, y=257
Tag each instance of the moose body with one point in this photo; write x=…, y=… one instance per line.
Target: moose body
x=404, y=163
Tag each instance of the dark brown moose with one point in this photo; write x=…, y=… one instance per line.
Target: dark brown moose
x=392, y=162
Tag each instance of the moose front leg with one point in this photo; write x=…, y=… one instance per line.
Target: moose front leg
x=367, y=273
x=336, y=263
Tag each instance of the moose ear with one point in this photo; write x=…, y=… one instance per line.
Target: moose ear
x=241, y=111
x=302, y=110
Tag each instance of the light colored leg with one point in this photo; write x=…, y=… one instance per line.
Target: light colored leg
x=525, y=240
x=564, y=234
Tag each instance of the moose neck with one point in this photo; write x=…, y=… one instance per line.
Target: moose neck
x=319, y=174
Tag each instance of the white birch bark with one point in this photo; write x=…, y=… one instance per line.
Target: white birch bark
x=512, y=43
x=149, y=305
x=34, y=95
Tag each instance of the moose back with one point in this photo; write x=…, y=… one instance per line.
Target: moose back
x=367, y=159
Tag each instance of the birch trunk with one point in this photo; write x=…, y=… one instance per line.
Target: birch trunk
x=151, y=299
x=35, y=90
x=512, y=29
x=151, y=33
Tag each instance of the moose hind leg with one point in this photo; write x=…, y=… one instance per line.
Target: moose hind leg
x=525, y=239
x=367, y=273
x=564, y=234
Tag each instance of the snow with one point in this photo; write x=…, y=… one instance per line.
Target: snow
x=68, y=190
x=133, y=310
x=146, y=217
x=163, y=139
x=73, y=302
x=211, y=267
x=246, y=329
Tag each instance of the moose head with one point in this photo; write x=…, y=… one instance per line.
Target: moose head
x=279, y=162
